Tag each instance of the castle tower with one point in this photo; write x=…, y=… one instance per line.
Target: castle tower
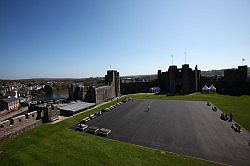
x=185, y=79
x=172, y=78
x=242, y=73
x=71, y=90
x=117, y=84
x=196, y=75
x=113, y=79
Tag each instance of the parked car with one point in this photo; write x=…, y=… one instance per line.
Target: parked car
x=92, y=130
x=85, y=120
x=81, y=127
x=92, y=116
x=98, y=113
x=106, y=110
x=104, y=132
x=119, y=103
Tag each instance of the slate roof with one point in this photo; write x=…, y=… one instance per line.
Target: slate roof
x=9, y=100
x=76, y=106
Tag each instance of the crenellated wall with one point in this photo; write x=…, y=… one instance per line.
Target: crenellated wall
x=18, y=121
x=32, y=115
x=44, y=113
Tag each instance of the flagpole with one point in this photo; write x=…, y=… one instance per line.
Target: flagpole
x=172, y=59
x=243, y=61
x=185, y=57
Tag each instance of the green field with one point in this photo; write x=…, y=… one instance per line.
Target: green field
x=58, y=145
x=238, y=106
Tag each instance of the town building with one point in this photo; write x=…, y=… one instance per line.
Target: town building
x=9, y=104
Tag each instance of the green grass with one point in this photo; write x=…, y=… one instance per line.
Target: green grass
x=58, y=145
x=238, y=106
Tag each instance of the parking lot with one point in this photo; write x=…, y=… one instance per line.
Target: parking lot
x=184, y=127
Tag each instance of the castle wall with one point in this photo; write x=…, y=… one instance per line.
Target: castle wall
x=8, y=133
x=76, y=92
x=104, y=93
x=235, y=76
x=7, y=114
x=32, y=115
x=18, y=120
x=137, y=87
x=4, y=125
x=100, y=94
x=235, y=81
x=21, y=123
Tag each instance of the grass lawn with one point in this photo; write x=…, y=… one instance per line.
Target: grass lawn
x=58, y=145
x=238, y=106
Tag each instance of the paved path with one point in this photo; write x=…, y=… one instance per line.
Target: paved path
x=183, y=127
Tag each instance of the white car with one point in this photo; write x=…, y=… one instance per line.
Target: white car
x=92, y=116
x=85, y=120
x=104, y=132
x=106, y=109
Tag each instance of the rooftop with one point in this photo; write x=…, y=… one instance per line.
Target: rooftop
x=9, y=100
x=75, y=106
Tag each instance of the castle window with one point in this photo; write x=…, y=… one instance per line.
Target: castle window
x=2, y=126
x=33, y=115
x=20, y=120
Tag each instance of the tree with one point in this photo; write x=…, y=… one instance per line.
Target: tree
x=48, y=90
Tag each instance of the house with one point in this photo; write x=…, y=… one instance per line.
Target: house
x=11, y=103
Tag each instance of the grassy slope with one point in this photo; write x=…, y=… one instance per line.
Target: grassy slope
x=238, y=106
x=58, y=145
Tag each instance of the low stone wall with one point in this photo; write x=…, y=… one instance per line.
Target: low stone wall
x=18, y=120
x=4, y=125
x=8, y=125
x=9, y=114
x=15, y=125
x=32, y=115
x=22, y=128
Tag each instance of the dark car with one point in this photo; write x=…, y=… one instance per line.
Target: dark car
x=92, y=130
x=81, y=127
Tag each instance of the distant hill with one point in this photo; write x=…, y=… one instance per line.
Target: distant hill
x=212, y=73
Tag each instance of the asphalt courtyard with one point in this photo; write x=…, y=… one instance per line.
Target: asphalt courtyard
x=184, y=127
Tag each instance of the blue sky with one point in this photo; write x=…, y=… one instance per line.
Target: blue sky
x=82, y=38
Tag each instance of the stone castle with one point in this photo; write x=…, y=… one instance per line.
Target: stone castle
x=97, y=95
x=179, y=80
